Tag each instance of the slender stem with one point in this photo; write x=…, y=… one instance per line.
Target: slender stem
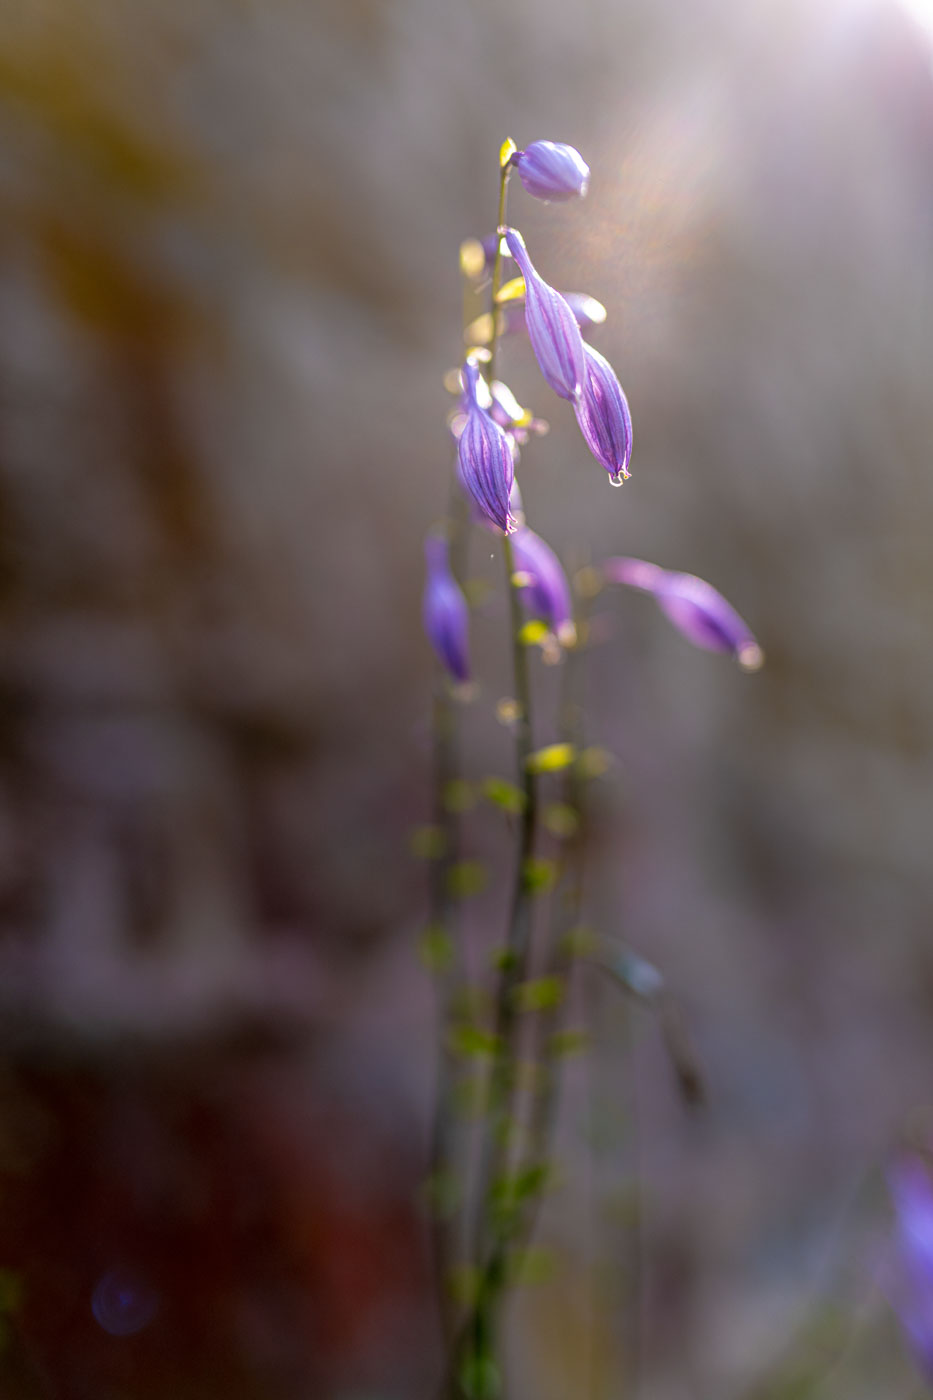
x=504, y=173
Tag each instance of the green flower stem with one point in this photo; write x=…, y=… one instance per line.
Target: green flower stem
x=444, y=916
x=479, y=1330
x=504, y=173
x=447, y=1218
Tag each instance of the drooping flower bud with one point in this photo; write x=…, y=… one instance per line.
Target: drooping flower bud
x=550, y=170
x=479, y=517
x=487, y=467
x=697, y=610
x=552, y=327
x=910, y=1283
x=604, y=417
x=544, y=588
x=445, y=612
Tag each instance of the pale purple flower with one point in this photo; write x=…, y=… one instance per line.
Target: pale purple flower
x=604, y=418
x=445, y=613
x=695, y=608
x=546, y=592
x=911, y=1275
x=552, y=327
x=550, y=170
x=486, y=462
x=586, y=309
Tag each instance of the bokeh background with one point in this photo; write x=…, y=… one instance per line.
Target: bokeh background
x=228, y=297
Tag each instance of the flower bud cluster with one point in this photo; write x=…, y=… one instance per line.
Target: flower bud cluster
x=491, y=426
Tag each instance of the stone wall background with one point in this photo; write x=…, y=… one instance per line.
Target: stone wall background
x=228, y=295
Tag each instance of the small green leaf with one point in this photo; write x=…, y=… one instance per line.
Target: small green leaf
x=458, y=795
x=542, y=994
x=562, y=820
x=507, y=151
x=472, y=258
x=480, y=1378
x=473, y=1041
x=508, y=711
x=503, y=959
x=513, y=290
x=552, y=759
x=436, y=948
x=505, y=795
x=569, y=1042
x=428, y=843
x=533, y=633
x=538, y=875
x=594, y=763
x=466, y=878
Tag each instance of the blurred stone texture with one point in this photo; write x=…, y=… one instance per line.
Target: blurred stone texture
x=228, y=238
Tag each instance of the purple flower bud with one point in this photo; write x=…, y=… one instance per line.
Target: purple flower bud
x=546, y=593
x=695, y=608
x=604, y=418
x=445, y=613
x=550, y=170
x=552, y=327
x=911, y=1278
x=487, y=467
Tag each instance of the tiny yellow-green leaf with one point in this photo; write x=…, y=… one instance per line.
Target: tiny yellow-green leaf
x=503, y=959
x=542, y=994
x=533, y=633
x=507, y=151
x=473, y=1040
x=513, y=290
x=466, y=878
x=479, y=332
x=561, y=819
x=472, y=258
x=436, y=948
x=505, y=795
x=538, y=875
x=551, y=759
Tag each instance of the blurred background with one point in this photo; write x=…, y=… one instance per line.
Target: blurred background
x=228, y=297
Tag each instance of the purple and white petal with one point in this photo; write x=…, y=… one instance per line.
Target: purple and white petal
x=698, y=611
x=445, y=612
x=604, y=418
x=546, y=594
x=551, y=170
x=552, y=327
x=485, y=455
